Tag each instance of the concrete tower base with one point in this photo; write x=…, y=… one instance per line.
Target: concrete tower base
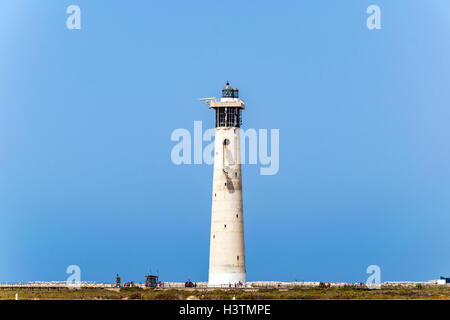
x=220, y=279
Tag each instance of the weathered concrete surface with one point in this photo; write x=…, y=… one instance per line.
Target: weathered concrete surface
x=227, y=248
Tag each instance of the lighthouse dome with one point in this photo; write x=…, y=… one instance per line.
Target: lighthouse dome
x=227, y=87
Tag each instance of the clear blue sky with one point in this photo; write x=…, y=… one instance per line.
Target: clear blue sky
x=86, y=118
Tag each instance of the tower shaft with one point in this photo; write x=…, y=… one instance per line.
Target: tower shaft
x=227, y=249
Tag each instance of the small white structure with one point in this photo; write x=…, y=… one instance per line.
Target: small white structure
x=438, y=281
x=227, y=248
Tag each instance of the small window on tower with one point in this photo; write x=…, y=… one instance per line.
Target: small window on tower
x=237, y=216
x=214, y=236
x=237, y=258
x=225, y=184
x=224, y=225
x=235, y=174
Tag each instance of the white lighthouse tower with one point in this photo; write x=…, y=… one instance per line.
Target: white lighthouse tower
x=227, y=248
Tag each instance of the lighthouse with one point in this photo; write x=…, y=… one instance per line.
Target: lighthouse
x=227, y=248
